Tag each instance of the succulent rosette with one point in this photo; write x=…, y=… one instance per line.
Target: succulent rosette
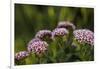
x=84, y=36
x=42, y=34
x=21, y=55
x=37, y=47
x=66, y=24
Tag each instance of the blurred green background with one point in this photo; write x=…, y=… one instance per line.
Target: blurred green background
x=29, y=19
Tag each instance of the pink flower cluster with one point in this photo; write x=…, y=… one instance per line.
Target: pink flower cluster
x=37, y=47
x=20, y=55
x=43, y=33
x=66, y=24
x=33, y=40
x=84, y=36
x=59, y=32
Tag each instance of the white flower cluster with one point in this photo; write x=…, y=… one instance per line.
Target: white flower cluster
x=84, y=36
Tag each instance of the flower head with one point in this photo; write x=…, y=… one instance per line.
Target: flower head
x=37, y=47
x=59, y=32
x=43, y=33
x=66, y=24
x=20, y=55
x=84, y=36
x=33, y=40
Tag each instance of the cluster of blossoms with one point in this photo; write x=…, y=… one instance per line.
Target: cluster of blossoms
x=84, y=36
x=21, y=55
x=59, y=32
x=66, y=24
x=43, y=33
x=37, y=47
